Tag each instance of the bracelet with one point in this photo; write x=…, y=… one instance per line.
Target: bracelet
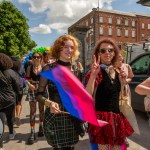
x=45, y=102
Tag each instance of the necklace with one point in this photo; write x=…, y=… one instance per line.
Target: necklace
x=109, y=70
x=111, y=79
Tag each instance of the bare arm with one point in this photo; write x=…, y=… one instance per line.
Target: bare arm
x=144, y=87
x=94, y=73
x=130, y=74
x=90, y=85
x=54, y=107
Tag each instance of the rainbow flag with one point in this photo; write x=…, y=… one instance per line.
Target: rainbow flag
x=77, y=101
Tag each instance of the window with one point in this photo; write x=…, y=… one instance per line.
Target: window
x=142, y=34
x=148, y=26
x=109, y=31
x=86, y=23
x=118, y=32
x=126, y=22
x=133, y=23
x=141, y=65
x=91, y=20
x=101, y=19
x=110, y=20
x=133, y=33
x=126, y=33
x=142, y=25
x=101, y=31
x=118, y=21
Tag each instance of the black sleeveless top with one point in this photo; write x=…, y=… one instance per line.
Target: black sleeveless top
x=107, y=94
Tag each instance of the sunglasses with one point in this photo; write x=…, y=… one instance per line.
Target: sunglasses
x=38, y=57
x=103, y=50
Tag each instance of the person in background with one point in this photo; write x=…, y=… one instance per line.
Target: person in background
x=102, y=82
x=88, y=67
x=2, y=125
x=78, y=70
x=143, y=88
x=32, y=80
x=17, y=67
x=125, y=90
x=28, y=63
x=120, y=64
x=46, y=57
x=59, y=128
x=5, y=67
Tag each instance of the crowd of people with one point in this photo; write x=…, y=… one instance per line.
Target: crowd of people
x=107, y=81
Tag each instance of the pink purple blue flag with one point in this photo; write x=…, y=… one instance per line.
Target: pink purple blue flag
x=77, y=101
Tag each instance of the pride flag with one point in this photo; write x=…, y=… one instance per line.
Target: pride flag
x=77, y=101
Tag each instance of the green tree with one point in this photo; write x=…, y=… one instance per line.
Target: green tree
x=14, y=31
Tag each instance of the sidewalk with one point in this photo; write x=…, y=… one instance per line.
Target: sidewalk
x=22, y=134
x=137, y=142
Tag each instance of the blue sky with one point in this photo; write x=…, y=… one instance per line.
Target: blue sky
x=49, y=19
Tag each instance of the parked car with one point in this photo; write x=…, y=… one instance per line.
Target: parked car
x=141, y=69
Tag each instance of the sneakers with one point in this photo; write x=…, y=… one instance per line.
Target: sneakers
x=12, y=136
x=18, y=121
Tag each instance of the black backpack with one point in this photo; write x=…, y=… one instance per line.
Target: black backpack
x=7, y=95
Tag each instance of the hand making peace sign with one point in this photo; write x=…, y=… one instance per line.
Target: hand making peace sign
x=95, y=66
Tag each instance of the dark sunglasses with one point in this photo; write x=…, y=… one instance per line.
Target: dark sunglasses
x=38, y=57
x=103, y=50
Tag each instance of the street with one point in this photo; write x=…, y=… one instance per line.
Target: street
x=137, y=142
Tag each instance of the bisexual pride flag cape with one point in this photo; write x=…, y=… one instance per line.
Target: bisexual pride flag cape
x=77, y=101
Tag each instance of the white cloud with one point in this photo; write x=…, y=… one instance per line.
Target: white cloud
x=60, y=27
x=63, y=13
x=42, y=28
x=130, y=2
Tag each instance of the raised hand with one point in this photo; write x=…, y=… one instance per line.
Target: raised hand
x=95, y=66
x=122, y=73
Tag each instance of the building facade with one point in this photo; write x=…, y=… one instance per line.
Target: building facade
x=124, y=27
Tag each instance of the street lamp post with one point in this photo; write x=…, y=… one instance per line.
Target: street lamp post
x=129, y=53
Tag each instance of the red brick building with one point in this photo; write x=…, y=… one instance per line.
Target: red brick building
x=124, y=27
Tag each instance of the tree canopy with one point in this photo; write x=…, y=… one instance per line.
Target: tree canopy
x=14, y=31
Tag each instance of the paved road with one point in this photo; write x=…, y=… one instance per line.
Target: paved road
x=137, y=142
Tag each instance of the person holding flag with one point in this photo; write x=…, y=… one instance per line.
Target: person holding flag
x=59, y=127
x=102, y=82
